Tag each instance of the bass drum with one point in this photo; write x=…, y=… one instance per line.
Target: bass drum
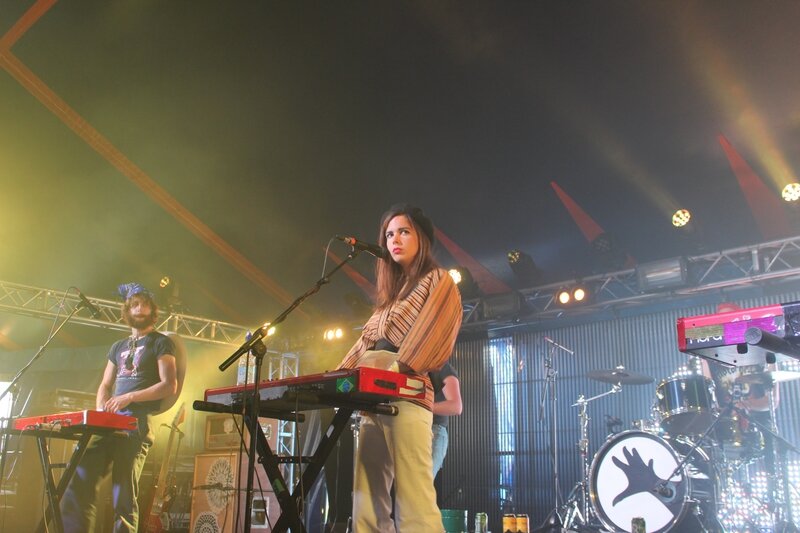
x=632, y=476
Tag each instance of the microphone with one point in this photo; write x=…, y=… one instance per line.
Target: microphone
x=557, y=345
x=371, y=249
x=87, y=304
x=664, y=491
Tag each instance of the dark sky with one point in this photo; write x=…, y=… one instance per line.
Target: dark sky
x=280, y=124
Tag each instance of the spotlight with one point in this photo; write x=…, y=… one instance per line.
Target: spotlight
x=605, y=249
x=575, y=295
x=563, y=297
x=579, y=294
x=463, y=279
x=603, y=244
x=681, y=217
x=169, y=295
x=333, y=334
x=791, y=193
x=524, y=268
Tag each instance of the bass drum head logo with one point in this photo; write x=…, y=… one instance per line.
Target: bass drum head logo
x=632, y=476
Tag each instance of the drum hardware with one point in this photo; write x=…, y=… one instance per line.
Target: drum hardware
x=577, y=504
x=619, y=376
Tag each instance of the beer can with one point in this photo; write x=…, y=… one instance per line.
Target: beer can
x=481, y=523
x=522, y=523
x=509, y=523
x=638, y=525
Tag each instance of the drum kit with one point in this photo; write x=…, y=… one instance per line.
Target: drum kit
x=678, y=468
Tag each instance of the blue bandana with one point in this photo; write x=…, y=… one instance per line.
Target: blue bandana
x=128, y=290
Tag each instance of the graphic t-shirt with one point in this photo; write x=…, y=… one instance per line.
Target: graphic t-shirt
x=725, y=381
x=137, y=369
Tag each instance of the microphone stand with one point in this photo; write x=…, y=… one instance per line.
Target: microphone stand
x=258, y=348
x=553, y=519
x=15, y=383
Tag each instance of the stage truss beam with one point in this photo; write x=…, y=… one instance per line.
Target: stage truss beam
x=755, y=265
x=48, y=303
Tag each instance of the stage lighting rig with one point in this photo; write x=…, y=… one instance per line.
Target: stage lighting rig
x=524, y=268
x=466, y=285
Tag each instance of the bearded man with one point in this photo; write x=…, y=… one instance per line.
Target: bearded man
x=140, y=372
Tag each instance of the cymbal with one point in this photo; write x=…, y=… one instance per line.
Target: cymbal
x=770, y=376
x=619, y=376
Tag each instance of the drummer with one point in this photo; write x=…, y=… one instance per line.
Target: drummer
x=732, y=384
x=746, y=388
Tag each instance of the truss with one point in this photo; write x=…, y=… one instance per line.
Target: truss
x=48, y=303
x=739, y=267
x=755, y=265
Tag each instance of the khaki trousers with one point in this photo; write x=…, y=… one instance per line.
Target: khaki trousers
x=395, y=449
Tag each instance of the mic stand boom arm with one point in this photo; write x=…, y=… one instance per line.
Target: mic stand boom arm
x=255, y=344
x=39, y=353
x=14, y=384
x=261, y=332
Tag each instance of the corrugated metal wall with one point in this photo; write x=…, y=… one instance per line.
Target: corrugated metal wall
x=471, y=477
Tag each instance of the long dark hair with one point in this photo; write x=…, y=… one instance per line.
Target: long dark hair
x=391, y=280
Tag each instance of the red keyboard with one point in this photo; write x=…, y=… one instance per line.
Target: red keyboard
x=367, y=384
x=722, y=336
x=83, y=420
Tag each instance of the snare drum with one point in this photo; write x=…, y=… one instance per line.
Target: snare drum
x=623, y=486
x=687, y=404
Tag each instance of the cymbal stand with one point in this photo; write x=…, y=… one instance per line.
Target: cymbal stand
x=580, y=509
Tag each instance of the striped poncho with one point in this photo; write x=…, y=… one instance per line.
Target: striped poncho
x=423, y=326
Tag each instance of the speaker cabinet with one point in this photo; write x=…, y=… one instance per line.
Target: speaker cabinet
x=218, y=495
x=215, y=492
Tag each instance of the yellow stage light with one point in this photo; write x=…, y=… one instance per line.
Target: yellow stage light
x=791, y=193
x=574, y=295
x=681, y=217
x=332, y=334
x=466, y=284
x=563, y=297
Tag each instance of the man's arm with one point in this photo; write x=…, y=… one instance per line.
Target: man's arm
x=451, y=405
x=106, y=386
x=167, y=385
